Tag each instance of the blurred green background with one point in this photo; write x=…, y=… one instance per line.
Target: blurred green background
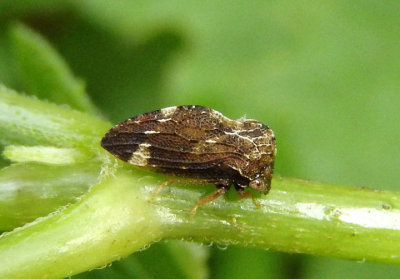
x=324, y=75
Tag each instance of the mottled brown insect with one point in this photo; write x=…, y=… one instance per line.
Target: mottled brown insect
x=198, y=142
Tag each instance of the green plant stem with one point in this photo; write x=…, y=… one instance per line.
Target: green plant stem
x=121, y=216
x=43, y=154
x=110, y=222
x=300, y=217
x=31, y=190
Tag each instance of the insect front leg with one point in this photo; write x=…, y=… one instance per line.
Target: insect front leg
x=242, y=194
x=245, y=195
x=239, y=187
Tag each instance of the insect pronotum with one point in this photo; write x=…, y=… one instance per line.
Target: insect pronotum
x=199, y=143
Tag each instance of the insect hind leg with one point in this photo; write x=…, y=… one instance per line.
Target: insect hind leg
x=163, y=185
x=245, y=195
x=219, y=192
x=222, y=185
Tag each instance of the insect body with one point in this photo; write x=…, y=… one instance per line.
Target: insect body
x=198, y=142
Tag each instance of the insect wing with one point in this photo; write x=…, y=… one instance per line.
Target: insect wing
x=184, y=137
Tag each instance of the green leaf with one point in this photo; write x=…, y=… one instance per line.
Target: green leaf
x=45, y=73
x=29, y=121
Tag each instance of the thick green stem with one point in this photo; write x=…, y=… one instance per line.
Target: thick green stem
x=299, y=217
x=31, y=190
x=120, y=216
x=110, y=222
x=43, y=154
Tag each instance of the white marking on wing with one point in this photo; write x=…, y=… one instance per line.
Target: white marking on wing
x=140, y=156
x=151, y=132
x=164, y=120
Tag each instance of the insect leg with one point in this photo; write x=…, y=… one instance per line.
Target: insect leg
x=245, y=195
x=163, y=185
x=209, y=198
x=242, y=194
